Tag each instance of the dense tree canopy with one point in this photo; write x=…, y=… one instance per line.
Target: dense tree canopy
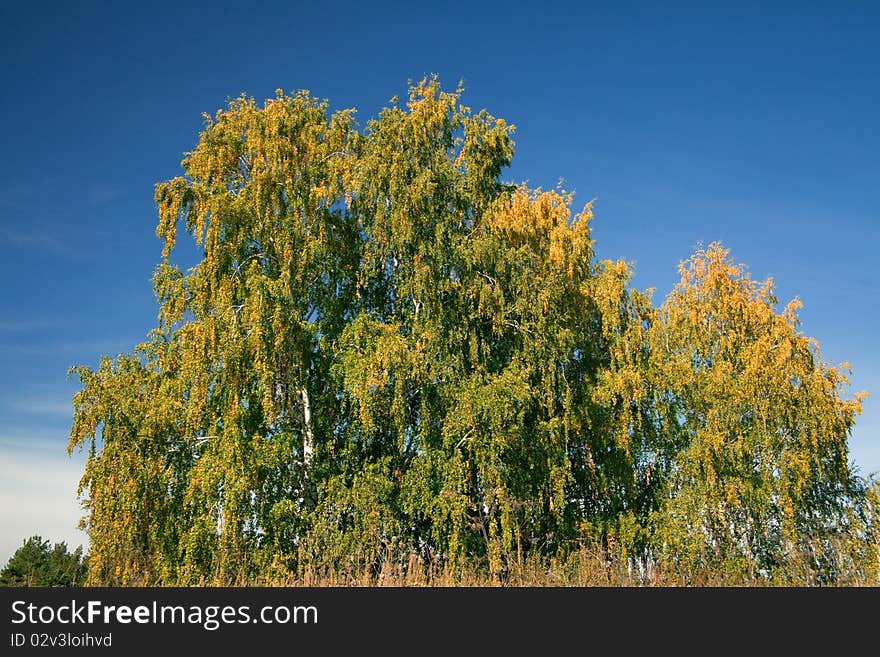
x=386, y=351
x=39, y=563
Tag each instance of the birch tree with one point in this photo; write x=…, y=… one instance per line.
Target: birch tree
x=386, y=351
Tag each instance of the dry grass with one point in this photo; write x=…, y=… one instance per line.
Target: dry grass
x=583, y=568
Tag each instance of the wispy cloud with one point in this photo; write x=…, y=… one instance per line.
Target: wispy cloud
x=38, y=485
x=77, y=348
x=16, y=196
x=7, y=202
x=18, y=237
x=16, y=202
x=42, y=406
x=30, y=325
x=102, y=194
x=40, y=240
x=39, y=441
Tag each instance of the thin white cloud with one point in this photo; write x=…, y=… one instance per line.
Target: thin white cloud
x=31, y=325
x=106, y=346
x=42, y=406
x=39, y=240
x=38, y=483
x=864, y=445
x=100, y=194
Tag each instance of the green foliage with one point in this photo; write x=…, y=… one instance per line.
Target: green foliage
x=386, y=353
x=760, y=478
x=38, y=563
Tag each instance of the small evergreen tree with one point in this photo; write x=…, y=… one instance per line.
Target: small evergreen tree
x=38, y=563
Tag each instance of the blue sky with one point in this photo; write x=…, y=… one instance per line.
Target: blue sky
x=753, y=123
